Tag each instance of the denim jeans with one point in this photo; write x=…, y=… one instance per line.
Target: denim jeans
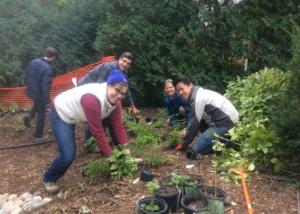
x=204, y=143
x=64, y=134
x=38, y=108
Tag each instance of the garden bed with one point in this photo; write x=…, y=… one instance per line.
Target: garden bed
x=21, y=171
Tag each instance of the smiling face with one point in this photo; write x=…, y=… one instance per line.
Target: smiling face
x=169, y=88
x=184, y=90
x=116, y=92
x=124, y=63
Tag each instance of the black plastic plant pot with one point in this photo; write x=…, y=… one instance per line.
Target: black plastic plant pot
x=146, y=175
x=161, y=203
x=171, y=195
x=194, y=203
x=214, y=193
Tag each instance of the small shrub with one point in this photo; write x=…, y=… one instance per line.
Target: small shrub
x=121, y=165
x=256, y=99
x=173, y=139
x=96, y=167
x=184, y=182
x=156, y=161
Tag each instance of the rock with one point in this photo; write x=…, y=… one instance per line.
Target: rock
x=8, y=206
x=19, y=202
x=12, y=197
x=47, y=200
x=16, y=210
x=26, y=195
x=3, y=199
x=37, y=199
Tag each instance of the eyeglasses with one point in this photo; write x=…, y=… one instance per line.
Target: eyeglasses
x=119, y=91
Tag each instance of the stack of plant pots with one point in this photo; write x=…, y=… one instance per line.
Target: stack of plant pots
x=192, y=199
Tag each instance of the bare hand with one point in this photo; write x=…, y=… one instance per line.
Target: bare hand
x=127, y=151
x=182, y=133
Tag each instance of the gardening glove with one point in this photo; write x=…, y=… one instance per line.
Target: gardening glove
x=178, y=147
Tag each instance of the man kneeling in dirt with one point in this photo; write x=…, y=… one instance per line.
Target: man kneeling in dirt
x=91, y=103
x=216, y=110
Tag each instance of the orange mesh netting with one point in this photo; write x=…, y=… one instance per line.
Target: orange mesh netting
x=16, y=98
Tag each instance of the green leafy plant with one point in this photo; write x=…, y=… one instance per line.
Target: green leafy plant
x=156, y=160
x=184, y=182
x=145, y=134
x=121, y=165
x=173, y=138
x=152, y=186
x=90, y=144
x=96, y=167
x=256, y=99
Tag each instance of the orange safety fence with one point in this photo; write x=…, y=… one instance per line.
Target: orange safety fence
x=16, y=98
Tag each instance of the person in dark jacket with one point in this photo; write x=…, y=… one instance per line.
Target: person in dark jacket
x=38, y=79
x=216, y=110
x=101, y=73
x=178, y=110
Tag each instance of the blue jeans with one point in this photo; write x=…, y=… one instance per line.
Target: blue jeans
x=64, y=134
x=204, y=143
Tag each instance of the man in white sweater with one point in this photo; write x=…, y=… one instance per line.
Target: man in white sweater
x=211, y=107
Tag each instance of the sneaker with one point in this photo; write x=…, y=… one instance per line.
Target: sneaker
x=26, y=121
x=51, y=187
x=41, y=139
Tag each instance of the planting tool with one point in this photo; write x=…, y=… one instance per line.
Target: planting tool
x=245, y=190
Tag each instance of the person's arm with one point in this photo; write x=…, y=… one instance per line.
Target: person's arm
x=92, y=109
x=46, y=85
x=194, y=123
x=191, y=130
x=169, y=106
x=116, y=123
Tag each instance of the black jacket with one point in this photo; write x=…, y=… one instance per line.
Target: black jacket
x=38, y=79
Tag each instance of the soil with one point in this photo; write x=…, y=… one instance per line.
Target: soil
x=196, y=205
x=22, y=169
x=166, y=191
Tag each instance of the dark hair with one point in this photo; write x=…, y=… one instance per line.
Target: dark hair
x=127, y=55
x=51, y=52
x=183, y=79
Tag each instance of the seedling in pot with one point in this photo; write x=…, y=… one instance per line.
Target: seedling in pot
x=185, y=183
x=152, y=187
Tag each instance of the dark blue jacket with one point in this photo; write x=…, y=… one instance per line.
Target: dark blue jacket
x=38, y=79
x=174, y=102
x=99, y=74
